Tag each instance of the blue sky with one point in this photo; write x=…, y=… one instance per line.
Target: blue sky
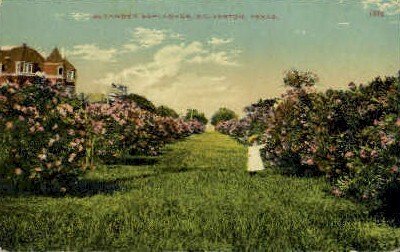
x=209, y=63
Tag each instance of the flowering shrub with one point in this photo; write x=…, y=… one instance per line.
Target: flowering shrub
x=292, y=141
x=238, y=129
x=51, y=137
x=350, y=136
x=116, y=127
x=45, y=135
x=375, y=177
x=251, y=126
x=123, y=128
x=319, y=129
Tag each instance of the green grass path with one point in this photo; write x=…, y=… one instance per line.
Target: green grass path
x=197, y=196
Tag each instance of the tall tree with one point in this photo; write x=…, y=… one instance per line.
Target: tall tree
x=141, y=101
x=222, y=115
x=298, y=79
x=194, y=114
x=166, y=111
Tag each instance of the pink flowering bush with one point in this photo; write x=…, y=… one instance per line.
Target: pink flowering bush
x=292, y=140
x=237, y=128
x=51, y=137
x=116, y=127
x=374, y=166
x=122, y=128
x=252, y=125
x=44, y=134
x=350, y=136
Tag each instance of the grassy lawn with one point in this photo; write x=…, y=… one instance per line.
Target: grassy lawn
x=197, y=195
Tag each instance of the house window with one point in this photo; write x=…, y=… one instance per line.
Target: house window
x=18, y=67
x=60, y=70
x=22, y=67
x=71, y=76
x=28, y=68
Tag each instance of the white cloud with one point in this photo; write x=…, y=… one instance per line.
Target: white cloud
x=219, y=41
x=193, y=90
x=344, y=23
x=218, y=78
x=148, y=37
x=93, y=52
x=39, y=49
x=204, y=85
x=80, y=16
x=167, y=62
x=131, y=47
x=8, y=47
x=189, y=89
x=389, y=7
x=219, y=58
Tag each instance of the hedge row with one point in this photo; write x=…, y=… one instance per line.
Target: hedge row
x=50, y=138
x=350, y=136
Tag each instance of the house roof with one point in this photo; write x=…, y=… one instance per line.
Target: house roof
x=25, y=53
x=21, y=53
x=68, y=65
x=54, y=56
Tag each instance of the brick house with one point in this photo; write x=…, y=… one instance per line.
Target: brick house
x=20, y=64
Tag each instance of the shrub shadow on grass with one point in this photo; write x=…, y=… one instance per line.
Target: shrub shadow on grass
x=87, y=188
x=133, y=160
x=390, y=208
x=177, y=169
x=387, y=211
x=82, y=188
x=91, y=187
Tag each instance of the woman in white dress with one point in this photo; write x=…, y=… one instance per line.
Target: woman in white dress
x=254, y=162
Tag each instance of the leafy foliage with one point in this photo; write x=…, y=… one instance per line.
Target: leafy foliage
x=166, y=111
x=45, y=134
x=350, y=136
x=299, y=79
x=249, y=128
x=141, y=101
x=51, y=137
x=222, y=115
x=194, y=114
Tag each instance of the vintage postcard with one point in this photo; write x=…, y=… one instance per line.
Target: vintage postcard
x=141, y=125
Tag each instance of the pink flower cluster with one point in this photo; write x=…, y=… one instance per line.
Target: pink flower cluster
x=350, y=136
x=50, y=135
x=123, y=128
x=37, y=125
